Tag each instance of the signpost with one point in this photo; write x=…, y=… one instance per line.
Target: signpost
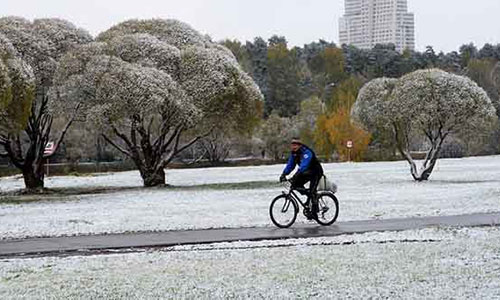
x=349, y=147
x=49, y=149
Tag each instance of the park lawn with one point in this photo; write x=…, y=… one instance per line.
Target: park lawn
x=437, y=263
x=240, y=197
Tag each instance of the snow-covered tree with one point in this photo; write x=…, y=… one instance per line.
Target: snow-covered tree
x=147, y=82
x=35, y=50
x=427, y=103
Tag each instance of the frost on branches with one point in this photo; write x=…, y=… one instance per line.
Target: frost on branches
x=146, y=82
x=32, y=53
x=428, y=103
x=42, y=42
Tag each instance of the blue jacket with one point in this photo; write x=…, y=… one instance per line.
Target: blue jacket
x=306, y=159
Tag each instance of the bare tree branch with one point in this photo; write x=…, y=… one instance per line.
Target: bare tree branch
x=18, y=150
x=121, y=136
x=200, y=157
x=133, y=135
x=177, y=150
x=150, y=125
x=19, y=163
x=163, y=147
x=122, y=150
x=404, y=153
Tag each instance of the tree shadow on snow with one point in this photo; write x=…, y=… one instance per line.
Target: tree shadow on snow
x=71, y=193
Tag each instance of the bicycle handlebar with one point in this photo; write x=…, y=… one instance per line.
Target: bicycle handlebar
x=286, y=184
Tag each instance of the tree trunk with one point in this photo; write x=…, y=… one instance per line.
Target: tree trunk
x=426, y=172
x=150, y=156
x=435, y=139
x=32, y=180
x=428, y=166
x=152, y=178
x=29, y=156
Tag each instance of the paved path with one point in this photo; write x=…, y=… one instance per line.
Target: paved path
x=77, y=245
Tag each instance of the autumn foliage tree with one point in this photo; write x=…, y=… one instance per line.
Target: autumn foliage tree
x=335, y=127
x=338, y=129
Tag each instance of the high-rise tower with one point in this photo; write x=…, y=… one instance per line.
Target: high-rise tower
x=370, y=22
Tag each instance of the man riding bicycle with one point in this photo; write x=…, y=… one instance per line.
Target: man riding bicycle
x=310, y=170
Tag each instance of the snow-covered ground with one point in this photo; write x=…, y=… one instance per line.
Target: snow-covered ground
x=366, y=191
x=424, y=264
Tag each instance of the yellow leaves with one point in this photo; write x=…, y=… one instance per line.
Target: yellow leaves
x=335, y=129
x=278, y=51
x=322, y=138
x=334, y=60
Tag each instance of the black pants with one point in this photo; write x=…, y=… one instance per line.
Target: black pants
x=299, y=179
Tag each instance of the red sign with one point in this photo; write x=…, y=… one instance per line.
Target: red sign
x=349, y=144
x=49, y=148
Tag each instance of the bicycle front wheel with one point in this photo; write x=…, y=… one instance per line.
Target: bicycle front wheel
x=283, y=211
x=328, y=209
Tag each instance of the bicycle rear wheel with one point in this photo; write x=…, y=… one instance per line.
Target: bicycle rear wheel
x=328, y=209
x=283, y=211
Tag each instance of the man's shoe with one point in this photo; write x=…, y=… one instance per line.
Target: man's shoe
x=314, y=211
x=307, y=214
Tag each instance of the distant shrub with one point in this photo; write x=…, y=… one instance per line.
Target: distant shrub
x=453, y=149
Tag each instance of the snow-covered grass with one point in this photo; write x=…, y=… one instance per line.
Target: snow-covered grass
x=424, y=264
x=366, y=191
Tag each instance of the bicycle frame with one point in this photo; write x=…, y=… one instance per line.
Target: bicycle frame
x=293, y=196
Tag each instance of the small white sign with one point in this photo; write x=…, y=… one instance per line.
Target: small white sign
x=49, y=148
x=349, y=144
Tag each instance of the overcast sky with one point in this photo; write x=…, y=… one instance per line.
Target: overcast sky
x=444, y=24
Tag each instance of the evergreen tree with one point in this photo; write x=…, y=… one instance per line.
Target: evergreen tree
x=257, y=52
x=430, y=57
x=467, y=52
x=283, y=95
x=240, y=52
x=488, y=51
x=384, y=61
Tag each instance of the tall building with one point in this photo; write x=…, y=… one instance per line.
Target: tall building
x=370, y=22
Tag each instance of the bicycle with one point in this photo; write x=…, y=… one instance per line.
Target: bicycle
x=285, y=207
